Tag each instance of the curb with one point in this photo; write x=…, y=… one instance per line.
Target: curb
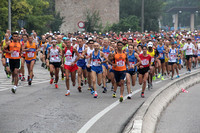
x=145, y=119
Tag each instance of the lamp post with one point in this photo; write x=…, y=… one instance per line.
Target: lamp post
x=9, y=15
x=142, y=17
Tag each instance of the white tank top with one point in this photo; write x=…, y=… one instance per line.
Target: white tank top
x=54, y=55
x=198, y=48
x=89, y=51
x=69, y=58
x=172, y=55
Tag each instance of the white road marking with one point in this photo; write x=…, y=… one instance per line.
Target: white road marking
x=94, y=119
x=23, y=86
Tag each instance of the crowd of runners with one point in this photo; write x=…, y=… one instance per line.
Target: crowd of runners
x=97, y=59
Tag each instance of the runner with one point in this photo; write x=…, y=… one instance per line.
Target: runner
x=70, y=63
x=189, y=48
x=95, y=61
x=81, y=63
x=152, y=53
x=30, y=57
x=42, y=43
x=54, y=53
x=106, y=50
x=13, y=50
x=119, y=67
x=86, y=54
x=62, y=46
x=131, y=73
x=144, y=69
x=172, y=54
x=22, y=70
x=5, y=60
x=161, y=58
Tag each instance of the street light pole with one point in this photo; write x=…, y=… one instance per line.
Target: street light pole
x=142, y=17
x=9, y=15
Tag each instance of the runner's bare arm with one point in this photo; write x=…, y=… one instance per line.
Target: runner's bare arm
x=104, y=56
x=138, y=59
x=77, y=54
x=5, y=49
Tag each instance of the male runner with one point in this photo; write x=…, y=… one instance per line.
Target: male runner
x=13, y=49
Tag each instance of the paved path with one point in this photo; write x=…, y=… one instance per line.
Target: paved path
x=182, y=115
x=41, y=107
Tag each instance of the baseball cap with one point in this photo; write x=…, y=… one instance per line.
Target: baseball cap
x=65, y=38
x=124, y=38
x=150, y=44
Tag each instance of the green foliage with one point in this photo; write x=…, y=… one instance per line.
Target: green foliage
x=93, y=21
x=39, y=15
x=152, y=11
x=125, y=24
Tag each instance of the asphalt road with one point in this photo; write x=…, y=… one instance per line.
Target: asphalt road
x=42, y=108
x=182, y=115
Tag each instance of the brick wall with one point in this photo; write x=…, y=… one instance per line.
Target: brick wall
x=74, y=10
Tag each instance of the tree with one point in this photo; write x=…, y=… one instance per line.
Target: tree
x=152, y=11
x=125, y=24
x=93, y=21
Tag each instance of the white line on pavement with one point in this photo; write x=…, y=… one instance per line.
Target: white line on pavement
x=23, y=86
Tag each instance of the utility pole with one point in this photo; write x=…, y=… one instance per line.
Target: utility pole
x=142, y=17
x=9, y=15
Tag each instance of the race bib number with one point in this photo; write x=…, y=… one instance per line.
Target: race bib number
x=30, y=54
x=15, y=54
x=96, y=62
x=55, y=57
x=106, y=54
x=131, y=63
x=120, y=63
x=68, y=58
x=145, y=62
x=161, y=55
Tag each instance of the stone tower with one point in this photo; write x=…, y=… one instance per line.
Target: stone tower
x=74, y=11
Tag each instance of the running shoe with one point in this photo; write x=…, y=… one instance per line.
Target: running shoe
x=121, y=98
x=105, y=90
x=162, y=78
x=177, y=76
x=159, y=75
x=172, y=78
x=63, y=78
x=23, y=78
x=142, y=95
x=89, y=88
x=51, y=81
x=14, y=89
x=154, y=77
x=95, y=95
x=62, y=75
x=129, y=96
x=79, y=89
x=92, y=91
x=56, y=86
x=114, y=95
x=67, y=94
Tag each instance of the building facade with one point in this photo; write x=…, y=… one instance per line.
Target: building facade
x=74, y=11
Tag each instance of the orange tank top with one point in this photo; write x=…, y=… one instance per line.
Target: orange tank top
x=120, y=61
x=16, y=48
x=30, y=54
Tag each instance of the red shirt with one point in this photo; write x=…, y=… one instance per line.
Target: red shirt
x=145, y=61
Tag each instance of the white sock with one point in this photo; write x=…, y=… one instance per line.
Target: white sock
x=68, y=90
x=95, y=92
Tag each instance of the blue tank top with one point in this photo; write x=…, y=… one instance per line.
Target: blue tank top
x=132, y=60
x=96, y=59
x=106, y=51
x=80, y=51
x=160, y=51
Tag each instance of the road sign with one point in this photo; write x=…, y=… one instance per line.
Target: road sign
x=81, y=24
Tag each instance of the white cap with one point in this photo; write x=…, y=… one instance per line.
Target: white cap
x=73, y=39
x=150, y=44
